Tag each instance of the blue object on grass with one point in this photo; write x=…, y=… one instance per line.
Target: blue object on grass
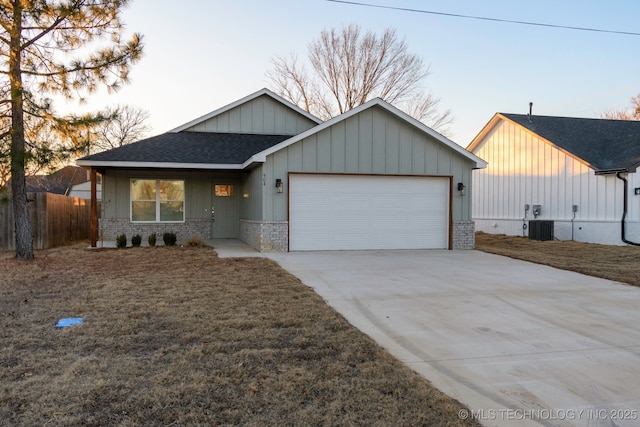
x=69, y=321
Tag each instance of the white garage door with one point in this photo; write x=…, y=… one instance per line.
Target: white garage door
x=347, y=212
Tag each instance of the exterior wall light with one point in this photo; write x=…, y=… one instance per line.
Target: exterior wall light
x=279, y=186
x=461, y=188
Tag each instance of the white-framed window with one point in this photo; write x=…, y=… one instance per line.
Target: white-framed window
x=157, y=200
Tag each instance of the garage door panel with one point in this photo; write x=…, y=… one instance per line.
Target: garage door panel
x=368, y=212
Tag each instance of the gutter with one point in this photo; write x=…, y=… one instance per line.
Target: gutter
x=624, y=213
x=156, y=165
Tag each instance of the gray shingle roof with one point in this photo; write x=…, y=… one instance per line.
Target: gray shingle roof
x=191, y=147
x=606, y=145
x=58, y=182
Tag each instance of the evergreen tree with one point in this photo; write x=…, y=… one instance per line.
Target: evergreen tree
x=49, y=48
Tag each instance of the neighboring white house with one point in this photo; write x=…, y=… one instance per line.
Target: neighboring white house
x=578, y=173
x=83, y=190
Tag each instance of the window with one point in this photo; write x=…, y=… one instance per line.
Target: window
x=225, y=190
x=157, y=200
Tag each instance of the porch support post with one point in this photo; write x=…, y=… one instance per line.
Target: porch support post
x=94, y=210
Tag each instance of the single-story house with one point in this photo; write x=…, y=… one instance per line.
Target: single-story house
x=576, y=178
x=266, y=172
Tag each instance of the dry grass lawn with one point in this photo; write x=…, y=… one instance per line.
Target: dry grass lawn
x=619, y=263
x=177, y=336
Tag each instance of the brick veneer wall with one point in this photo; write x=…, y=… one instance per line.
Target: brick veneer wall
x=464, y=236
x=111, y=228
x=272, y=236
x=265, y=236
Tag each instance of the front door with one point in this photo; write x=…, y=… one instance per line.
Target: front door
x=225, y=210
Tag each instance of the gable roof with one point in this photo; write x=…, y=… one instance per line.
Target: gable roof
x=69, y=175
x=244, y=100
x=181, y=149
x=606, y=146
x=199, y=150
x=479, y=163
x=58, y=182
x=44, y=184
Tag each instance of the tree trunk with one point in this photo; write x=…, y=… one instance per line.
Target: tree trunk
x=24, y=236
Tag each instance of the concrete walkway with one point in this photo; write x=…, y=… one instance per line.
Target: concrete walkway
x=233, y=248
x=518, y=343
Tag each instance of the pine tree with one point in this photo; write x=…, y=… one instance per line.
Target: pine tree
x=50, y=48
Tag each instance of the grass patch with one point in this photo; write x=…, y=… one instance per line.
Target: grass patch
x=619, y=263
x=177, y=336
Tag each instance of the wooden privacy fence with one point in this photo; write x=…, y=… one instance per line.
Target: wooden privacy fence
x=56, y=220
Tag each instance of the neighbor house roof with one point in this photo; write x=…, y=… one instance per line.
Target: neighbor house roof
x=58, y=182
x=604, y=145
x=44, y=184
x=197, y=150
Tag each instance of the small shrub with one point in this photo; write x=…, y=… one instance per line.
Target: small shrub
x=121, y=241
x=169, y=238
x=136, y=240
x=196, y=242
x=152, y=239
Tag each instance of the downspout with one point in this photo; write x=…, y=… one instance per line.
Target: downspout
x=624, y=211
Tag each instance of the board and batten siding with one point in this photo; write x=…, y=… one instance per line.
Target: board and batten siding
x=116, y=190
x=525, y=169
x=253, y=188
x=371, y=142
x=260, y=115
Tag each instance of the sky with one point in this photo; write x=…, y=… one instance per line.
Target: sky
x=201, y=55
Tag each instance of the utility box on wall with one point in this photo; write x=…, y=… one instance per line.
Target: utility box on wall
x=540, y=230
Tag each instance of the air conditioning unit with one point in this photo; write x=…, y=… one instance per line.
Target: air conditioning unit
x=540, y=230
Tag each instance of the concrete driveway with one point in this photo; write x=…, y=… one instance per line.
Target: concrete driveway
x=518, y=343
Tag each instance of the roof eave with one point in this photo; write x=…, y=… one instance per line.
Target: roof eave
x=157, y=165
x=613, y=171
x=257, y=158
x=480, y=163
x=480, y=137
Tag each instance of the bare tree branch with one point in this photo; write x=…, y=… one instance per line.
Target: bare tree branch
x=349, y=68
x=124, y=124
x=632, y=112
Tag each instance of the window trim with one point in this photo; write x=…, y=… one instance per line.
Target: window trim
x=157, y=201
